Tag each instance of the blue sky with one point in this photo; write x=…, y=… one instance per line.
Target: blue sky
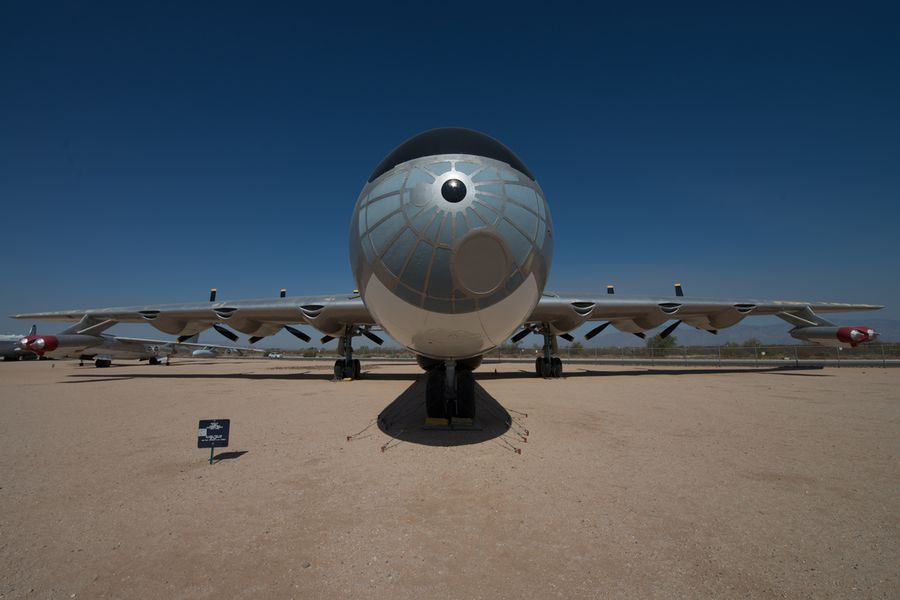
x=148, y=153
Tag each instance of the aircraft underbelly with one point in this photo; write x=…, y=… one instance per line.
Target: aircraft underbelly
x=443, y=335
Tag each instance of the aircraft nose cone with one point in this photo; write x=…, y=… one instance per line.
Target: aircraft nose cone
x=453, y=190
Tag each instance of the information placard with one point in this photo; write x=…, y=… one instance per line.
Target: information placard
x=213, y=433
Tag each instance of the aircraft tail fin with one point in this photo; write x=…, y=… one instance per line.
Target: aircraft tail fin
x=33, y=330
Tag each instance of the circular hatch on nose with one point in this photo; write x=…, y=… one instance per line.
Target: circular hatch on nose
x=481, y=263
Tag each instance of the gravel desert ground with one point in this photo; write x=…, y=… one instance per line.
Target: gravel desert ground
x=633, y=483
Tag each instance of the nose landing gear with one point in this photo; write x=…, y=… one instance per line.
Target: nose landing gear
x=450, y=396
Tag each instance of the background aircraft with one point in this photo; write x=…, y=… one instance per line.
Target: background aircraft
x=451, y=243
x=10, y=349
x=91, y=344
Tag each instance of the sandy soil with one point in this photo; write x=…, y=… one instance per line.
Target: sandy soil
x=686, y=483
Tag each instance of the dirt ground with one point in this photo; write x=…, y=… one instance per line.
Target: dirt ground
x=633, y=483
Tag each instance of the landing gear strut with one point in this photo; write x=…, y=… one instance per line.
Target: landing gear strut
x=548, y=366
x=347, y=367
x=450, y=394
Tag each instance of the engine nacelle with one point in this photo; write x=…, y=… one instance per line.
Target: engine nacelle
x=204, y=353
x=828, y=335
x=39, y=343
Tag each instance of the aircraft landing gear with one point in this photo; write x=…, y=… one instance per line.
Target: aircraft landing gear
x=102, y=363
x=347, y=370
x=548, y=366
x=450, y=395
x=548, y=370
x=153, y=361
x=347, y=367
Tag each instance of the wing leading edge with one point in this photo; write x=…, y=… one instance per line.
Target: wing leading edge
x=558, y=314
x=332, y=315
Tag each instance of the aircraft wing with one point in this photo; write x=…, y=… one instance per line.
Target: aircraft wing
x=332, y=315
x=561, y=313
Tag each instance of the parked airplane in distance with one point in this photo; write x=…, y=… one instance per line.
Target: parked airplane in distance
x=103, y=348
x=451, y=243
x=10, y=350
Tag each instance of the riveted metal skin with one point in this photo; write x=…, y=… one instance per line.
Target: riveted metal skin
x=468, y=269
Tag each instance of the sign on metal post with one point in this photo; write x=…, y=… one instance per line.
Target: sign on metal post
x=212, y=434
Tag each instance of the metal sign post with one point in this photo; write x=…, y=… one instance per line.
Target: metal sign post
x=212, y=434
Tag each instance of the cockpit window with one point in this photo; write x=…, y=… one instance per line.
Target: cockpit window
x=449, y=140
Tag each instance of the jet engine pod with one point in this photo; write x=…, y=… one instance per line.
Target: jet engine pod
x=828, y=335
x=39, y=344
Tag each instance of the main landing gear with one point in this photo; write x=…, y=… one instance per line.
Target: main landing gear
x=549, y=366
x=347, y=367
x=450, y=392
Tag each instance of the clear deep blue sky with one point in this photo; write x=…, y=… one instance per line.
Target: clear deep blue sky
x=150, y=153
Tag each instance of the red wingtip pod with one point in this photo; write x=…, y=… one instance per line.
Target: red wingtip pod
x=856, y=335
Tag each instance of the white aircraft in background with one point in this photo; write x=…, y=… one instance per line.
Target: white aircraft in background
x=103, y=348
x=451, y=243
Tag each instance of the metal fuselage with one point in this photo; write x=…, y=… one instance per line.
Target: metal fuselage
x=451, y=252
x=67, y=345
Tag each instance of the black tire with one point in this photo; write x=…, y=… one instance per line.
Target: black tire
x=537, y=366
x=101, y=363
x=465, y=395
x=556, y=368
x=339, y=369
x=153, y=361
x=357, y=368
x=434, y=394
x=546, y=369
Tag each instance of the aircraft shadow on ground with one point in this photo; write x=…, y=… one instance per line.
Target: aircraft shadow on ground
x=302, y=376
x=404, y=419
x=483, y=375
x=583, y=372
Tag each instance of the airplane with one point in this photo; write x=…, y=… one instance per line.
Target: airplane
x=91, y=344
x=10, y=349
x=451, y=243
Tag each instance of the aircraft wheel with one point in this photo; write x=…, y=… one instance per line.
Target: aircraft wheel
x=102, y=363
x=465, y=395
x=546, y=369
x=153, y=361
x=339, y=369
x=556, y=368
x=537, y=366
x=434, y=394
x=357, y=368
